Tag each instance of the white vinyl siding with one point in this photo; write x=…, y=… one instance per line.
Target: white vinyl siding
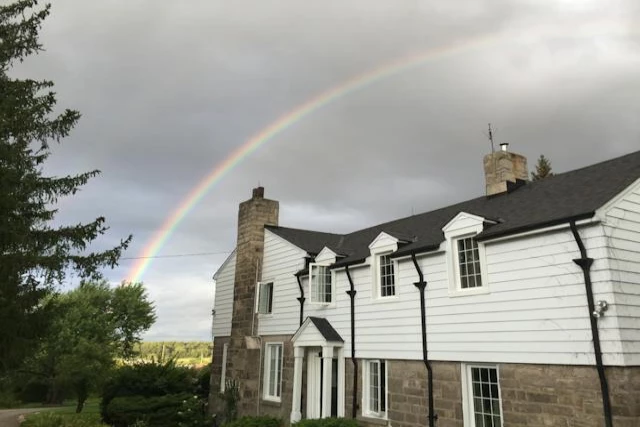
x=223, y=302
x=273, y=372
x=623, y=241
x=281, y=261
x=536, y=311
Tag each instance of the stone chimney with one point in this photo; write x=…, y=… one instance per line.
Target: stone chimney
x=504, y=171
x=244, y=355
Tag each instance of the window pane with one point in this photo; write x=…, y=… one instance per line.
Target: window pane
x=383, y=386
x=278, y=369
x=272, y=370
x=387, y=278
x=374, y=386
x=486, y=396
x=469, y=263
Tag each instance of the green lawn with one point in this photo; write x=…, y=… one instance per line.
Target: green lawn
x=65, y=416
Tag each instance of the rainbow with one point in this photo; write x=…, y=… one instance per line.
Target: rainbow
x=284, y=122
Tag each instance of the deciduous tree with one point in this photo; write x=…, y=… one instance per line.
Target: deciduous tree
x=94, y=325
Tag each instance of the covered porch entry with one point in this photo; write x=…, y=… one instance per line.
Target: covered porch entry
x=318, y=357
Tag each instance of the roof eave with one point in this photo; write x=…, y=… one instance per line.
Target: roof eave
x=484, y=236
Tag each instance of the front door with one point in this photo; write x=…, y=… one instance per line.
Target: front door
x=315, y=373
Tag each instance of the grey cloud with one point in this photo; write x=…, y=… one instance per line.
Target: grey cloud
x=169, y=89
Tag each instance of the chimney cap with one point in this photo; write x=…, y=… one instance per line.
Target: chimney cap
x=258, y=193
x=504, y=146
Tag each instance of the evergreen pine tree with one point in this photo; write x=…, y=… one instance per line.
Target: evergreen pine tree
x=543, y=169
x=35, y=255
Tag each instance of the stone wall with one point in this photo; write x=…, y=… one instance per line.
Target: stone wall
x=532, y=395
x=216, y=405
x=553, y=395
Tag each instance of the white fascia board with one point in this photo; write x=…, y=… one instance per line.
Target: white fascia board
x=601, y=212
x=224, y=264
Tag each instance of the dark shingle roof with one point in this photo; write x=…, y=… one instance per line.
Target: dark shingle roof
x=572, y=195
x=325, y=328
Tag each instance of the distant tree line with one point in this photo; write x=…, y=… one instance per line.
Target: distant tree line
x=165, y=350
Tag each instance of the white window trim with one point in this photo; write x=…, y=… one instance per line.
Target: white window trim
x=223, y=374
x=257, y=297
x=453, y=267
x=366, y=390
x=267, y=370
x=333, y=285
x=467, y=392
x=376, y=279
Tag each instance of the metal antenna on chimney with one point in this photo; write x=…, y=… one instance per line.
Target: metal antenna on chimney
x=491, y=139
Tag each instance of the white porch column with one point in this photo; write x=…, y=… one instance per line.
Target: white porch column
x=327, y=357
x=298, y=354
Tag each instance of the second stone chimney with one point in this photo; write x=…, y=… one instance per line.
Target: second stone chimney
x=504, y=170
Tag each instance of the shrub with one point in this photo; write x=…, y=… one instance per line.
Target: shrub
x=255, y=422
x=156, y=411
x=327, y=422
x=203, y=382
x=34, y=391
x=193, y=413
x=231, y=395
x=148, y=379
x=53, y=419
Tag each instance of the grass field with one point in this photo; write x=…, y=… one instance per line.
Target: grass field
x=63, y=416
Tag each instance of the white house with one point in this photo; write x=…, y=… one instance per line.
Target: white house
x=517, y=308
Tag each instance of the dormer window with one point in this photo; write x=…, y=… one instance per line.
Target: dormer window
x=387, y=276
x=466, y=258
x=320, y=289
x=469, y=263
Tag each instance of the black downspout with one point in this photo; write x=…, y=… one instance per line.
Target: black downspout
x=584, y=262
x=422, y=285
x=352, y=294
x=301, y=299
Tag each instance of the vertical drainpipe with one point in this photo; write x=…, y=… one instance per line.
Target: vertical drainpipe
x=301, y=299
x=422, y=285
x=352, y=294
x=584, y=262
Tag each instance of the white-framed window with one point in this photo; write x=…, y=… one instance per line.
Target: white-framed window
x=272, y=372
x=374, y=398
x=469, y=268
x=387, y=276
x=223, y=374
x=320, y=284
x=265, y=298
x=481, y=396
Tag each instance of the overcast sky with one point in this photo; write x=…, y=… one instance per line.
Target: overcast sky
x=168, y=89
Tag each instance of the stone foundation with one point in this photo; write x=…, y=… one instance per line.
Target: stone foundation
x=216, y=404
x=552, y=395
x=531, y=395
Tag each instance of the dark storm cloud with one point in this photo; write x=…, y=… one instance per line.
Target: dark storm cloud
x=169, y=89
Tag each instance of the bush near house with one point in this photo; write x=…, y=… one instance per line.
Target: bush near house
x=159, y=394
x=327, y=422
x=255, y=422
x=156, y=411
